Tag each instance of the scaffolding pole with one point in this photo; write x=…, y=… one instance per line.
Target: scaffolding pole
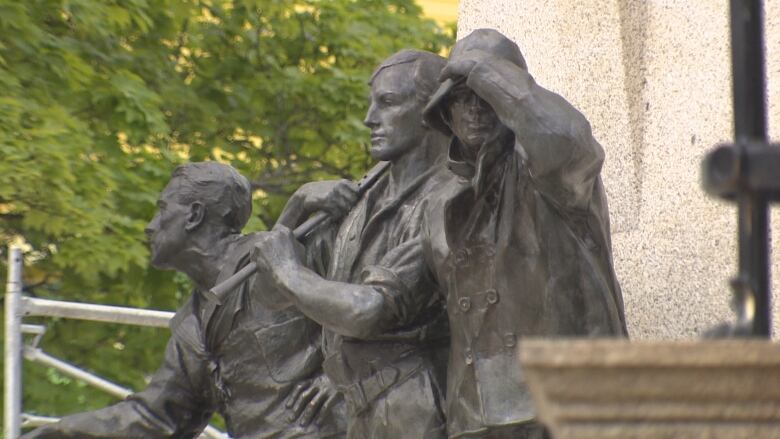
x=12, y=422
x=98, y=313
x=18, y=306
x=38, y=356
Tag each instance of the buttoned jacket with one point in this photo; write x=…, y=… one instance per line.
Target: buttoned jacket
x=520, y=245
x=379, y=244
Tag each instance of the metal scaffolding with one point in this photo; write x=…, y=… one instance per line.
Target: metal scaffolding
x=746, y=171
x=18, y=306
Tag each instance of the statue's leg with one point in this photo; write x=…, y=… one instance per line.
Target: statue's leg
x=409, y=409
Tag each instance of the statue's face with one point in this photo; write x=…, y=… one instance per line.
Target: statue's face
x=394, y=113
x=166, y=232
x=472, y=120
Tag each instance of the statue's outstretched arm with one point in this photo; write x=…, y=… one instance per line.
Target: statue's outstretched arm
x=172, y=405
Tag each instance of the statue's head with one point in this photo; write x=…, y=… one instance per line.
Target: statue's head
x=400, y=88
x=205, y=200
x=455, y=108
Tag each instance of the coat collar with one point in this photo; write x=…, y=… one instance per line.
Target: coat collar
x=370, y=216
x=489, y=155
x=216, y=320
x=390, y=205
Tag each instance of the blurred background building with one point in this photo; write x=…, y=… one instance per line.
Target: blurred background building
x=443, y=11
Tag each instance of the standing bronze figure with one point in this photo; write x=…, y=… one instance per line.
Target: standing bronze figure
x=238, y=358
x=521, y=242
x=384, y=321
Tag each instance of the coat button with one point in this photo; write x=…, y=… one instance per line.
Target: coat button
x=464, y=303
x=491, y=296
x=510, y=340
x=469, y=357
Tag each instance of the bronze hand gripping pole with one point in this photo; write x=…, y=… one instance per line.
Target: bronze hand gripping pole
x=219, y=290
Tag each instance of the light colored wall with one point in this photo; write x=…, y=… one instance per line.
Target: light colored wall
x=653, y=78
x=443, y=11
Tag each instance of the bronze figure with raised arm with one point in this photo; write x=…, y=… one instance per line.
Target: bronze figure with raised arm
x=520, y=243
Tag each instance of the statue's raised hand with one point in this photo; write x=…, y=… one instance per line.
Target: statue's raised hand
x=333, y=196
x=276, y=249
x=461, y=67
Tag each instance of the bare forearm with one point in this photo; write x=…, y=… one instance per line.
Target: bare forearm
x=353, y=310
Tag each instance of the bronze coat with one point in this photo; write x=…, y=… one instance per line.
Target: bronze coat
x=392, y=380
x=520, y=244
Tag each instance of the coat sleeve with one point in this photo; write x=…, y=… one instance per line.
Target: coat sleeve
x=174, y=405
x=402, y=275
x=553, y=138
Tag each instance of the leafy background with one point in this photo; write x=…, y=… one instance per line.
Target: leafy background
x=100, y=100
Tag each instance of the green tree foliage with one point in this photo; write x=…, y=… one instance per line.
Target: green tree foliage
x=99, y=100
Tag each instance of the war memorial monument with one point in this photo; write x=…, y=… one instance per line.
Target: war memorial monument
x=533, y=228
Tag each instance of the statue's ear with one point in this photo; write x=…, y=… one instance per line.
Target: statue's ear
x=195, y=216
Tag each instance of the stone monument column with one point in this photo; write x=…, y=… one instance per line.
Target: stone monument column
x=654, y=79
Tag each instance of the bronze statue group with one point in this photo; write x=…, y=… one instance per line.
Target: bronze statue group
x=401, y=317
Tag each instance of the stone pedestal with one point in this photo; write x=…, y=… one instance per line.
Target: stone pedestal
x=614, y=389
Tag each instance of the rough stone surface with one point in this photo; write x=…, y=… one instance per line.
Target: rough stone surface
x=636, y=390
x=654, y=79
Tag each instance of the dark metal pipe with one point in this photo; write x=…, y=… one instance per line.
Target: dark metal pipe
x=747, y=58
x=747, y=63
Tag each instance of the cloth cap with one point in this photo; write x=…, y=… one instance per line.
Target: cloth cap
x=487, y=40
